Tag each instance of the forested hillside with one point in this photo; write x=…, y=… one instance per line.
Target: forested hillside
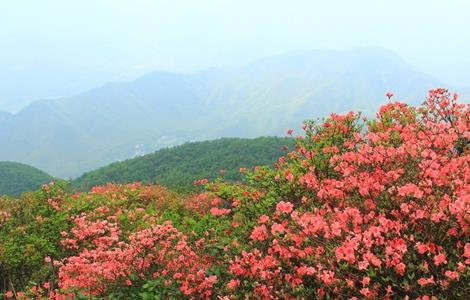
x=16, y=178
x=179, y=166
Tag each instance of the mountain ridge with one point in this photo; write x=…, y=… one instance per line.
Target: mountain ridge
x=72, y=135
x=177, y=167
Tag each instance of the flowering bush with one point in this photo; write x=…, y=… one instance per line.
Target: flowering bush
x=359, y=209
x=377, y=209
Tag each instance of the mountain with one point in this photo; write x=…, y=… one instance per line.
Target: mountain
x=16, y=178
x=179, y=166
x=279, y=92
x=69, y=136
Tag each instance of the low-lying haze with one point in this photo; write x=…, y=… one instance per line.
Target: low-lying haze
x=55, y=48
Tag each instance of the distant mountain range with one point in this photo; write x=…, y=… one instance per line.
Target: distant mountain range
x=69, y=136
x=16, y=178
x=179, y=166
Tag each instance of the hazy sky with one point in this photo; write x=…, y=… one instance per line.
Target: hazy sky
x=56, y=47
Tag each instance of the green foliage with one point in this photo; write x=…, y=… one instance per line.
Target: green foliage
x=16, y=178
x=178, y=167
x=30, y=231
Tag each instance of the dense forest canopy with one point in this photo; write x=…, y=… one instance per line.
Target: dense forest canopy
x=16, y=178
x=178, y=167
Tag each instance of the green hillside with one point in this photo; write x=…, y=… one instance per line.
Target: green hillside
x=16, y=178
x=179, y=166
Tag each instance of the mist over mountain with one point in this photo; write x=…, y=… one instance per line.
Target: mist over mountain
x=68, y=136
x=50, y=79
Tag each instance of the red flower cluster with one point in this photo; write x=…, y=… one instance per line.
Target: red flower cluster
x=159, y=251
x=377, y=208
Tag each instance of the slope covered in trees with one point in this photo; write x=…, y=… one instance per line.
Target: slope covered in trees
x=356, y=210
x=179, y=166
x=16, y=178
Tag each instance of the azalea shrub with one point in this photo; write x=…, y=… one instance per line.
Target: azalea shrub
x=359, y=208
